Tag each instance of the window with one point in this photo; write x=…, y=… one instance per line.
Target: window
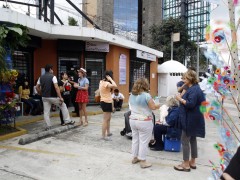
x=139, y=68
x=22, y=62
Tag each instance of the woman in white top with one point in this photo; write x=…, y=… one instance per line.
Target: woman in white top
x=141, y=120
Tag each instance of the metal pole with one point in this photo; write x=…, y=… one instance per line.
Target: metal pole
x=197, y=54
x=40, y=9
x=22, y=3
x=45, y=3
x=52, y=11
x=171, y=46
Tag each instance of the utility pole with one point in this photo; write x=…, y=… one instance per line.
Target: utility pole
x=197, y=54
x=171, y=46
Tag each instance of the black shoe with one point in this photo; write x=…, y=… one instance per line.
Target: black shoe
x=156, y=148
x=152, y=143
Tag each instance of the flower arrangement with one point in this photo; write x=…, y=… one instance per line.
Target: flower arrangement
x=7, y=101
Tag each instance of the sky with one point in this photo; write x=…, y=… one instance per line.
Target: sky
x=62, y=9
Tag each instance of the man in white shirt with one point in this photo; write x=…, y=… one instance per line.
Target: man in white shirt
x=47, y=86
x=117, y=99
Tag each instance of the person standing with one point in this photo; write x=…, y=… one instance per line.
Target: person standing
x=141, y=120
x=191, y=119
x=47, y=86
x=105, y=87
x=82, y=95
x=65, y=89
x=74, y=91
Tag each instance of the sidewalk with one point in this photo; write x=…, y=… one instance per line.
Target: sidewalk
x=80, y=154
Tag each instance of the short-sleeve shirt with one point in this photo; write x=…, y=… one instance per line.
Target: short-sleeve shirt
x=119, y=96
x=66, y=88
x=105, y=92
x=82, y=82
x=139, y=106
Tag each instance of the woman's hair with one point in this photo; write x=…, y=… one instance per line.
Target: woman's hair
x=24, y=86
x=107, y=73
x=141, y=85
x=62, y=73
x=171, y=101
x=191, y=76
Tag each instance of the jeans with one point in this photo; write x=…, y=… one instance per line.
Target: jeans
x=118, y=104
x=47, y=103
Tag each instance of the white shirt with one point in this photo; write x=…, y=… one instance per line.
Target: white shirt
x=119, y=96
x=54, y=80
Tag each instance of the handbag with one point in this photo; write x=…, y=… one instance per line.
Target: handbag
x=97, y=96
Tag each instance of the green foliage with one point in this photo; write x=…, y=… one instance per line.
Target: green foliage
x=161, y=40
x=72, y=21
x=11, y=38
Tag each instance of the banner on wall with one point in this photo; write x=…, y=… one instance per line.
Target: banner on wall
x=97, y=46
x=122, y=69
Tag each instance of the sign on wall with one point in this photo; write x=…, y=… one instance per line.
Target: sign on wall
x=97, y=46
x=122, y=69
x=145, y=55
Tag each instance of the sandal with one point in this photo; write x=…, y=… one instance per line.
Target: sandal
x=85, y=124
x=80, y=123
x=181, y=168
x=193, y=167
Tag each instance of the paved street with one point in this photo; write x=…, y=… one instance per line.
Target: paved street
x=80, y=154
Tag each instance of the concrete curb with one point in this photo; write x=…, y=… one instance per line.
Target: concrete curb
x=14, y=134
x=35, y=137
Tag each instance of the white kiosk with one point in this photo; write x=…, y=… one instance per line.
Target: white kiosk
x=169, y=74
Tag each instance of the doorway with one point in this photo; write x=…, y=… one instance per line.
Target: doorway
x=67, y=64
x=95, y=68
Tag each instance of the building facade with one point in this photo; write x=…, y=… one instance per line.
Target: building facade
x=195, y=13
x=95, y=50
x=128, y=19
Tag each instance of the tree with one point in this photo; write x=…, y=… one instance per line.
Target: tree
x=72, y=21
x=11, y=38
x=161, y=40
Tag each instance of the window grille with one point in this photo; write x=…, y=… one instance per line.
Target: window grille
x=138, y=69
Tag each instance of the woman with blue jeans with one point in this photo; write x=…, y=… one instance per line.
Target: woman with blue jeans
x=141, y=120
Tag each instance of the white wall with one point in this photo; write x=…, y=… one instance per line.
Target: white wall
x=172, y=84
x=163, y=84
